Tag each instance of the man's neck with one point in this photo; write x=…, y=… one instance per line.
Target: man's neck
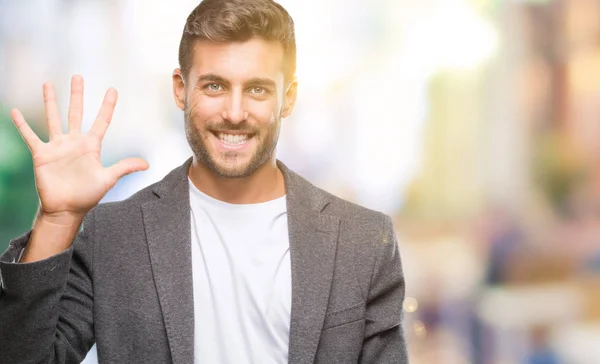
x=265, y=184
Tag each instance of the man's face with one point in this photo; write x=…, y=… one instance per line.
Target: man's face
x=233, y=102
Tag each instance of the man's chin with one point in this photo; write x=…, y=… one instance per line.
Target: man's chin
x=237, y=169
x=233, y=173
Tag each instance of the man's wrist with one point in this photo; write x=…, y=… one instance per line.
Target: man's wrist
x=50, y=237
x=60, y=220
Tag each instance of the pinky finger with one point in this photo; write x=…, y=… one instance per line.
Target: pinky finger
x=30, y=138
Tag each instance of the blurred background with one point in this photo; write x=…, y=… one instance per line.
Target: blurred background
x=474, y=123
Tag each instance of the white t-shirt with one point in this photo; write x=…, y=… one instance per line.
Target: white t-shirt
x=242, y=281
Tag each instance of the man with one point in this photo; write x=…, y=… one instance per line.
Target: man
x=231, y=258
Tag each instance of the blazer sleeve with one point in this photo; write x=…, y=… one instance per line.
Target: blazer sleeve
x=384, y=340
x=46, y=307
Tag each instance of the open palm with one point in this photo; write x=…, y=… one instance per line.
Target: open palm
x=69, y=176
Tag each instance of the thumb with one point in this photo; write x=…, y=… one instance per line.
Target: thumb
x=127, y=166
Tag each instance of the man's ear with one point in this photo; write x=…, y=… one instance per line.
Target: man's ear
x=289, y=99
x=179, y=88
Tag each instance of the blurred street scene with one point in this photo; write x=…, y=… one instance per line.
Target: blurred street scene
x=474, y=123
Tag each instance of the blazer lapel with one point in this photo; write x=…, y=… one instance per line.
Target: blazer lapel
x=167, y=225
x=313, y=241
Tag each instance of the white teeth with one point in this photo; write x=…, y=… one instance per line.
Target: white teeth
x=233, y=139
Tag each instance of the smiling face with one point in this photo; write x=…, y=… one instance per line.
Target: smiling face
x=234, y=98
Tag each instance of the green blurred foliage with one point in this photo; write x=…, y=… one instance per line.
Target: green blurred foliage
x=18, y=197
x=558, y=169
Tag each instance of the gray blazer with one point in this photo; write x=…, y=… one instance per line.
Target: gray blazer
x=126, y=284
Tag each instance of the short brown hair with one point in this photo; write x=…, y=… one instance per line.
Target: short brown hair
x=238, y=20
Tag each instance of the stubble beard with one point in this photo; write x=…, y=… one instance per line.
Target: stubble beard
x=228, y=165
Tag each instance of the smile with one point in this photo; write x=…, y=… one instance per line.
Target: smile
x=233, y=139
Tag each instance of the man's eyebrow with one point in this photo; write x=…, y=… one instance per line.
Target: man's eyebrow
x=260, y=81
x=211, y=77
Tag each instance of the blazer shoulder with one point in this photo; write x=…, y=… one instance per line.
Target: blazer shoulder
x=174, y=181
x=304, y=192
x=137, y=199
x=352, y=212
x=348, y=210
x=124, y=210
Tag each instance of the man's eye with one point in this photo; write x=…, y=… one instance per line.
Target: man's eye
x=258, y=90
x=213, y=87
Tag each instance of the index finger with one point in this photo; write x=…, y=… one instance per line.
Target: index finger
x=105, y=114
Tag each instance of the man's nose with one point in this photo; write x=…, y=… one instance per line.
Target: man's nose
x=235, y=108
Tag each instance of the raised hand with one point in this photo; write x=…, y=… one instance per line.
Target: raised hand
x=69, y=176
